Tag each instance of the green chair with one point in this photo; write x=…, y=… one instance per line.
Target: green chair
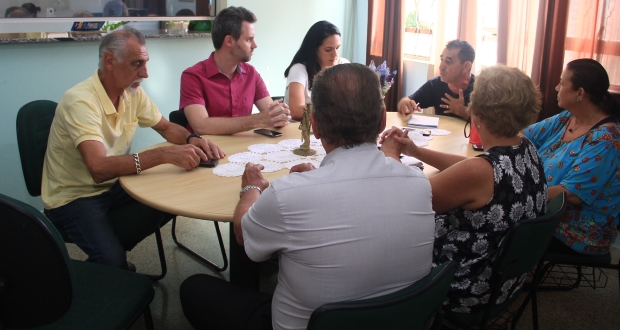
x=178, y=117
x=521, y=250
x=41, y=287
x=570, y=270
x=414, y=307
x=34, y=120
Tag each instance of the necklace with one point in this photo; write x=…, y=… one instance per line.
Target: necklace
x=584, y=123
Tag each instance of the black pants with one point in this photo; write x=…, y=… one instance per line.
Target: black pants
x=212, y=303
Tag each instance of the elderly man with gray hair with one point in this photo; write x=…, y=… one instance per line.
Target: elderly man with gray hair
x=336, y=228
x=89, y=148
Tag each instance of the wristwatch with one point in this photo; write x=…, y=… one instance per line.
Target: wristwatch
x=248, y=187
x=191, y=136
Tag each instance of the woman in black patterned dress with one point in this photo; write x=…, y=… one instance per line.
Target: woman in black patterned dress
x=477, y=199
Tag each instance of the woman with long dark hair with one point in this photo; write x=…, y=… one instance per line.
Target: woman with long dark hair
x=319, y=50
x=580, y=148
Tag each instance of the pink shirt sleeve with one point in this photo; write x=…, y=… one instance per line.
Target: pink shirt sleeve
x=191, y=90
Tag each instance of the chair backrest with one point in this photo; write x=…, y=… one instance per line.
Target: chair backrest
x=34, y=120
x=524, y=246
x=409, y=308
x=178, y=117
x=35, y=270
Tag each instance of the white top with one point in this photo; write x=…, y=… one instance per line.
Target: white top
x=297, y=73
x=359, y=226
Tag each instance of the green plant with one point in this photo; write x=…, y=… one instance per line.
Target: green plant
x=412, y=20
x=110, y=26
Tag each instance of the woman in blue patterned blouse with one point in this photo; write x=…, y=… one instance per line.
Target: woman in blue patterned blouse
x=477, y=199
x=580, y=148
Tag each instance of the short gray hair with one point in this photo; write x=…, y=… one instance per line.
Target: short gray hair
x=347, y=104
x=116, y=43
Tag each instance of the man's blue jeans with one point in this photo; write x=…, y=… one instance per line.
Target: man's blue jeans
x=93, y=224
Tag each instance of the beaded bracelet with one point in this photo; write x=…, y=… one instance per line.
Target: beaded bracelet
x=137, y=160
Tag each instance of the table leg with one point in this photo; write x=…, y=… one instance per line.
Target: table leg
x=243, y=271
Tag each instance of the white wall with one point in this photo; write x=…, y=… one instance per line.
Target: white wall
x=281, y=26
x=45, y=71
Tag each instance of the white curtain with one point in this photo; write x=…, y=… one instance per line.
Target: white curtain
x=519, y=37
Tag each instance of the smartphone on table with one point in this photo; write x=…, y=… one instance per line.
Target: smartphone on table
x=477, y=146
x=267, y=132
x=208, y=163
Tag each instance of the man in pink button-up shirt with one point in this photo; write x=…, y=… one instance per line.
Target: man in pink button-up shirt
x=217, y=94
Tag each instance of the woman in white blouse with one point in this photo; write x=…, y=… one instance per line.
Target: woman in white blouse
x=318, y=50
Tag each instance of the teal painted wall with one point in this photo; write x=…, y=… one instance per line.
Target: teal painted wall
x=45, y=71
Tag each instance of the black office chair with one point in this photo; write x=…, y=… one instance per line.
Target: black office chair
x=414, y=307
x=41, y=287
x=34, y=120
x=521, y=250
x=277, y=97
x=178, y=117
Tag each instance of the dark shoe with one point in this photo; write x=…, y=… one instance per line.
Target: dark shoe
x=131, y=267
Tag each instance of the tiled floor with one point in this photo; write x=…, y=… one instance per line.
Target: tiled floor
x=582, y=308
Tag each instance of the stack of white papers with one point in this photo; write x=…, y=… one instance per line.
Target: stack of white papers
x=423, y=121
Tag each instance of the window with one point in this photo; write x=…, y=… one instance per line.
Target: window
x=420, y=17
x=486, y=33
x=430, y=24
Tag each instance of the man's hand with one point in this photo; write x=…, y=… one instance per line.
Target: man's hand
x=406, y=106
x=389, y=145
x=277, y=114
x=187, y=156
x=253, y=176
x=455, y=105
x=304, y=167
x=396, y=141
x=210, y=149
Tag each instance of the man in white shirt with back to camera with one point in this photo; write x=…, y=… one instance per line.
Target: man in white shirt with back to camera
x=342, y=231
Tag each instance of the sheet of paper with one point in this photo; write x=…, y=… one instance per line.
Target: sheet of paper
x=423, y=121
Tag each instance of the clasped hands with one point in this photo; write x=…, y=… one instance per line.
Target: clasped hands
x=278, y=114
x=395, y=141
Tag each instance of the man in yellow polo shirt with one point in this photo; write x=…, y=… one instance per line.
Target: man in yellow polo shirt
x=89, y=148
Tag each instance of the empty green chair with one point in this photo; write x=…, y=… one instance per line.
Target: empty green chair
x=41, y=287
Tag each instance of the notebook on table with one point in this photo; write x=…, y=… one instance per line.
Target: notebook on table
x=423, y=121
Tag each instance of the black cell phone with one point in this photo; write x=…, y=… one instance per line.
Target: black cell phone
x=426, y=133
x=477, y=146
x=208, y=163
x=267, y=132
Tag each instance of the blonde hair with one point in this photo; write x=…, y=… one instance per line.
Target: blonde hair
x=505, y=100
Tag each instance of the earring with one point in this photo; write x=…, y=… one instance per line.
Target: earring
x=478, y=126
x=578, y=100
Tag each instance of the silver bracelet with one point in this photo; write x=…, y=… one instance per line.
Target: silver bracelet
x=137, y=160
x=248, y=187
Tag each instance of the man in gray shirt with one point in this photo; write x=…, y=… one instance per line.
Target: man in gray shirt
x=345, y=230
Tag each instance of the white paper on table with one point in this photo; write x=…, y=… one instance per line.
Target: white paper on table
x=423, y=121
x=411, y=161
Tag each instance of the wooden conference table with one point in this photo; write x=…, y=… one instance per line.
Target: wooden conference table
x=202, y=195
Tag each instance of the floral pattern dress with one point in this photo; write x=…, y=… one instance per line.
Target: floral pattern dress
x=589, y=167
x=472, y=237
